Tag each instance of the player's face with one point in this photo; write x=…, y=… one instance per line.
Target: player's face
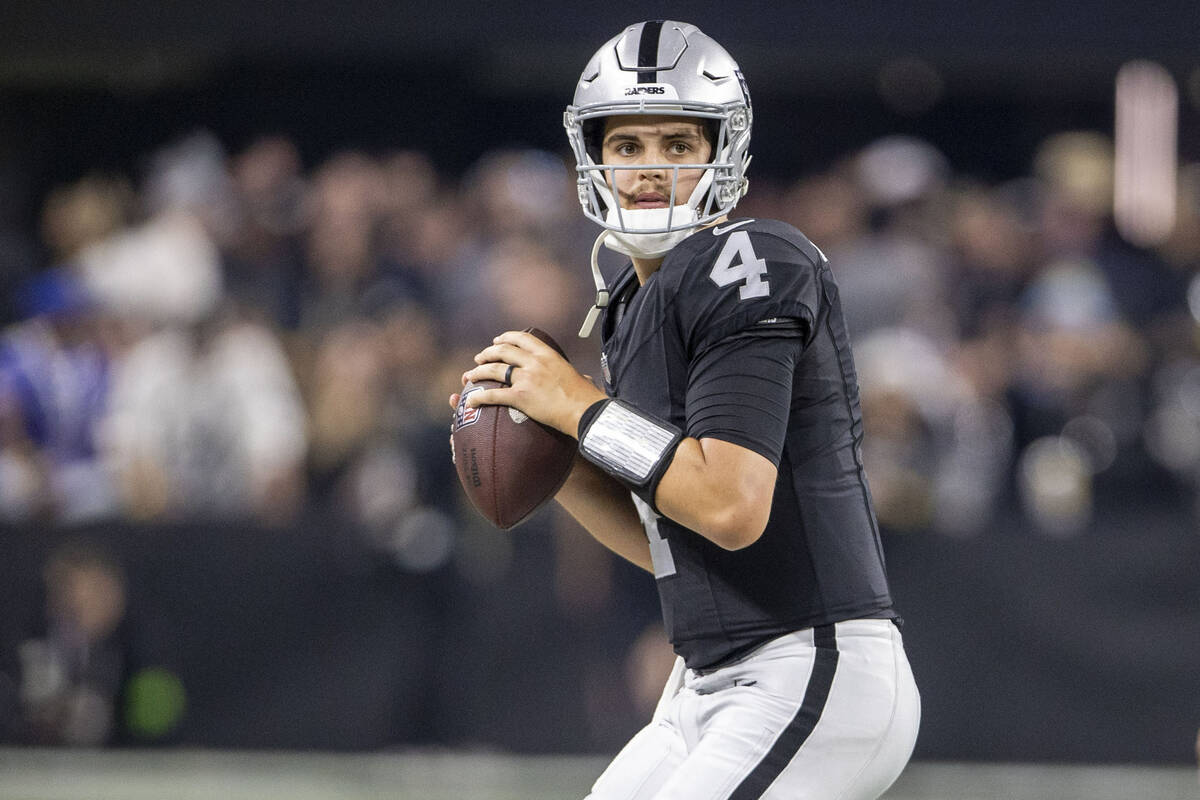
x=651, y=142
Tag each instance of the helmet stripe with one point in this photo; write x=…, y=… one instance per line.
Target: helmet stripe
x=648, y=51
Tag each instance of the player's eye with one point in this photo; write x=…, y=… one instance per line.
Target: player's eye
x=679, y=148
x=626, y=149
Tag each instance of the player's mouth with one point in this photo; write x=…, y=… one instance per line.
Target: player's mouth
x=650, y=200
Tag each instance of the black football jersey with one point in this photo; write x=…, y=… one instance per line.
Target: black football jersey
x=819, y=560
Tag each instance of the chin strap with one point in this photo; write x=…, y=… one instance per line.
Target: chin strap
x=593, y=314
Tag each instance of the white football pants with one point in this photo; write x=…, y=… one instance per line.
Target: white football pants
x=829, y=713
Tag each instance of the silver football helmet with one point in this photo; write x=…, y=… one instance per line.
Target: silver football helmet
x=660, y=67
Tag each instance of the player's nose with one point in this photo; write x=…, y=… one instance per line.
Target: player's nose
x=651, y=171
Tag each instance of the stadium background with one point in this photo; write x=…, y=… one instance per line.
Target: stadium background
x=293, y=221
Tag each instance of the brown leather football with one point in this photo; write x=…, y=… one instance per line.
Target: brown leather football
x=508, y=464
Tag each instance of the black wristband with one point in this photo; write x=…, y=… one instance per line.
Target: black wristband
x=629, y=444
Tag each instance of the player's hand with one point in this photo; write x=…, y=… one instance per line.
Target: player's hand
x=544, y=385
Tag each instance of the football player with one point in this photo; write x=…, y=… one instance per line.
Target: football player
x=724, y=455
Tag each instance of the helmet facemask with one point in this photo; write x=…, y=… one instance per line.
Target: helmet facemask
x=652, y=232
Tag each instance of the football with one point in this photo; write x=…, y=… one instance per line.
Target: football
x=508, y=464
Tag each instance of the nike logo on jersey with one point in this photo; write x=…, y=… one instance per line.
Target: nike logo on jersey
x=717, y=230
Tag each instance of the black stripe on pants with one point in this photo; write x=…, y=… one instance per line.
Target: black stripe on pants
x=798, y=730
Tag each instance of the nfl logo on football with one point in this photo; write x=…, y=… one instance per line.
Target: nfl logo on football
x=466, y=414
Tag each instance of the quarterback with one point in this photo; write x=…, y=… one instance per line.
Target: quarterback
x=723, y=454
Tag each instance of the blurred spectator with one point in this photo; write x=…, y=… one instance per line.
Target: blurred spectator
x=164, y=272
x=85, y=213
x=426, y=236
x=379, y=431
x=1071, y=335
x=54, y=384
x=263, y=260
x=1075, y=172
x=207, y=422
x=1075, y=169
x=1079, y=358
x=345, y=393
x=892, y=274
x=522, y=192
x=517, y=283
x=342, y=243
x=936, y=452
x=190, y=176
x=412, y=189
x=831, y=206
x=518, y=219
x=89, y=675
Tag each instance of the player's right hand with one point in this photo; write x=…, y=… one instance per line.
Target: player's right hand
x=544, y=384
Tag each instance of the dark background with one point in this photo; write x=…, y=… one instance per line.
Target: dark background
x=1082, y=650
x=94, y=84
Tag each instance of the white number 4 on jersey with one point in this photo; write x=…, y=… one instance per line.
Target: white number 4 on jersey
x=737, y=262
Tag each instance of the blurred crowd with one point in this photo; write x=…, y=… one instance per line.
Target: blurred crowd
x=239, y=335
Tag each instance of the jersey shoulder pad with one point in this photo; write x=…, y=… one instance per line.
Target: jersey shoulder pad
x=793, y=236
x=738, y=274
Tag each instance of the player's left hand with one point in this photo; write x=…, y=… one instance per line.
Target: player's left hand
x=543, y=384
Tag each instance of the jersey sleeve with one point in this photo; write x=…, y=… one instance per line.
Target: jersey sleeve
x=740, y=389
x=742, y=279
